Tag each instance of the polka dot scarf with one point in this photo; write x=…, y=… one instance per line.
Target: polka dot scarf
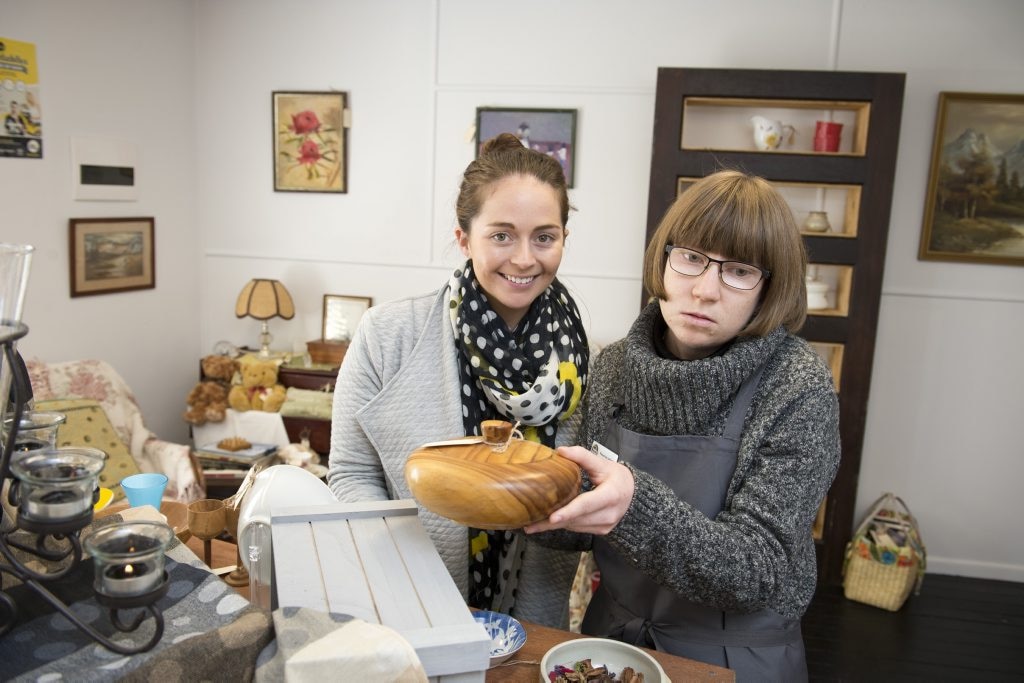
x=533, y=375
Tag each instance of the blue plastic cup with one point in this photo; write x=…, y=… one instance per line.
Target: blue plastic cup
x=144, y=489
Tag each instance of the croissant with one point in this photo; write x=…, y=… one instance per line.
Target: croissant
x=233, y=443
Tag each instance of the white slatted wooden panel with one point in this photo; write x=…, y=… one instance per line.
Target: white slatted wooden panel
x=302, y=574
x=451, y=649
x=441, y=600
x=393, y=593
x=374, y=561
x=346, y=587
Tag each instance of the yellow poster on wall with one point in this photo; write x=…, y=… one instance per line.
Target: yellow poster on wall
x=22, y=132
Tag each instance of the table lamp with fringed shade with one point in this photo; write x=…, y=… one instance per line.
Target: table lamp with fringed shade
x=265, y=299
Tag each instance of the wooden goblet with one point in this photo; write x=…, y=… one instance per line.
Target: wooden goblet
x=239, y=576
x=206, y=520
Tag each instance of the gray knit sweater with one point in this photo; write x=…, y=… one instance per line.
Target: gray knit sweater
x=758, y=552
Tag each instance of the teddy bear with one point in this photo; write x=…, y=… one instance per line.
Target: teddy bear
x=208, y=400
x=259, y=389
x=219, y=368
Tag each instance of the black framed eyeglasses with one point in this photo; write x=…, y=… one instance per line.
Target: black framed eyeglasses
x=735, y=274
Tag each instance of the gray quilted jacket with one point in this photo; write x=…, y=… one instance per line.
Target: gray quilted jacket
x=398, y=389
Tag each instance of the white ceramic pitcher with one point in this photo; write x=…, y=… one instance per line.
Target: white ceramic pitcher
x=769, y=134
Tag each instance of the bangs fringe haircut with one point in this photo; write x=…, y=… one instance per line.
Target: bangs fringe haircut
x=743, y=218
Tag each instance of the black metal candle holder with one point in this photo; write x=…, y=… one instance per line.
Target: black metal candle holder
x=55, y=541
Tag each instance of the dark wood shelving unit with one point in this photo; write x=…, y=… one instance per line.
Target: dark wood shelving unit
x=868, y=163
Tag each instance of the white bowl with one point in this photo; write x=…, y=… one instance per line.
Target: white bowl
x=612, y=654
x=507, y=635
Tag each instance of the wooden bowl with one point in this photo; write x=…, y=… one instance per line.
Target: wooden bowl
x=472, y=483
x=175, y=512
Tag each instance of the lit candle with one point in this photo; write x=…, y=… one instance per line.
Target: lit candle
x=128, y=558
x=24, y=444
x=129, y=580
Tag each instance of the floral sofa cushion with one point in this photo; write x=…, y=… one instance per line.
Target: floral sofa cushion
x=98, y=381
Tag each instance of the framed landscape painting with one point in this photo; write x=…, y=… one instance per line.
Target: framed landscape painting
x=111, y=255
x=310, y=142
x=974, y=208
x=550, y=131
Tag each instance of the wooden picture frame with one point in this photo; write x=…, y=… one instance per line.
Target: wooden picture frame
x=310, y=141
x=342, y=315
x=111, y=255
x=974, y=207
x=551, y=131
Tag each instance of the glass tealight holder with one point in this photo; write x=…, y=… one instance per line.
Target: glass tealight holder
x=39, y=424
x=56, y=486
x=128, y=560
x=37, y=430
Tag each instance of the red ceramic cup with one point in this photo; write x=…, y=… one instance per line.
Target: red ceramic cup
x=826, y=136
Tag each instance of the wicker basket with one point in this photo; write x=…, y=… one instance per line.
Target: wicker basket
x=884, y=576
x=327, y=352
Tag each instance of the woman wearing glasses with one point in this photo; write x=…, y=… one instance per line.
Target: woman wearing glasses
x=500, y=333
x=724, y=425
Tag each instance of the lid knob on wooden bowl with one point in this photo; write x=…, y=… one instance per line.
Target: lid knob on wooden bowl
x=496, y=432
x=498, y=482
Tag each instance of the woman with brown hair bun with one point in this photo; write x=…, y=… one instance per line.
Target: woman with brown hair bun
x=501, y=332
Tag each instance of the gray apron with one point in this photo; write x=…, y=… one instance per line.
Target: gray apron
x=633, y=608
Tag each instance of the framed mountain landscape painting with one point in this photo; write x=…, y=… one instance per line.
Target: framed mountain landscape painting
x=974, y=209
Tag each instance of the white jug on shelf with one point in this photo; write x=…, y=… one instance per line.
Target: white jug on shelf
x=769, y=134
x=817, y=290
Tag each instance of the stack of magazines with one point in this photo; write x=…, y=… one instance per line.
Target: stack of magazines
x=225, y=466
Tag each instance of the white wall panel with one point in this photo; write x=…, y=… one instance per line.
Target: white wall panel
x=381, y=57
x=605, y=43
x=943, y=428
x=119, y=70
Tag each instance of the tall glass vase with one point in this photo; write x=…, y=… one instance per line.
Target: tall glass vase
x=15, y=260
x=14, y=267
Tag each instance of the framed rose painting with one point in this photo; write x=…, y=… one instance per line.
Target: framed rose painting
x=310, y=141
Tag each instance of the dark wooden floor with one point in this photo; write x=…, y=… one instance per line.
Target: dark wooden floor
x=957, y=629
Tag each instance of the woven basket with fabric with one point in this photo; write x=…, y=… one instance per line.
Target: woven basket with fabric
x=886, y=559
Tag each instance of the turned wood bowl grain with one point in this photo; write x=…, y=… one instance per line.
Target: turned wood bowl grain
x=480, y=487
x=206, y=518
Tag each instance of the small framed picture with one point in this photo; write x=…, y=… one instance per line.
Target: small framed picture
x=551, y=131
x=342, y=314
x=310, y=141
x=111, y=255
x=974, y=209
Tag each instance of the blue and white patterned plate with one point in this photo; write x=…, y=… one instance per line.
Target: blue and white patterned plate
x=507, y=634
